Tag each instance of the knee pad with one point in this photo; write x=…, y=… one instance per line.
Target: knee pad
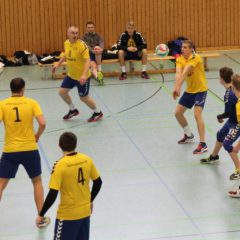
x=228, y=145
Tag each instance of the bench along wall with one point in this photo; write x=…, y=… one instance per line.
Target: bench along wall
x=40, y=25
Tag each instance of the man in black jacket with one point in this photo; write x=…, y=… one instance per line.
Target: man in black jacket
x=132, y=45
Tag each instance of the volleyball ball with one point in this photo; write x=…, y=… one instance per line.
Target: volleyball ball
x=162, y=50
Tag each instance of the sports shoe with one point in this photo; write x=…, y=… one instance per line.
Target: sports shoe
x=45, y=222
x=210, y=160
x=71, y=114
x=235, y=194
x=144, y=75
x=100, y=78
x=186, y=139
x=95, y=117
x=235, y=175
x=201, y=148
x=123, y=76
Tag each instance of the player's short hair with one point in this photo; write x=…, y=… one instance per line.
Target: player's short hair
x=68, y=141
x=189, y=43
x=226, y=74
x=131, y=24
x=236, y=81
x=16, y=85
x=71, y=27
x=90, y=23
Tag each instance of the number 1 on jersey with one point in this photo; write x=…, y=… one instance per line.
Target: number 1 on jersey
x=81, y=178
x=17, y=115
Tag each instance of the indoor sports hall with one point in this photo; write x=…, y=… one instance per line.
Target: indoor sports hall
x=153, y=188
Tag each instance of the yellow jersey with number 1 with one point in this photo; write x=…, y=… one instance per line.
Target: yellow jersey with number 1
x=71, y=176
x=17, y=114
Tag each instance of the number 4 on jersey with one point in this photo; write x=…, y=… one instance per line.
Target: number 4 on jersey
x=81, y=178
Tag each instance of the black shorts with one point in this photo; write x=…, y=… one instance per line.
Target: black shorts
x=133, y=55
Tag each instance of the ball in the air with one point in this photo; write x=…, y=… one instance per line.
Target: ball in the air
x=162, y=50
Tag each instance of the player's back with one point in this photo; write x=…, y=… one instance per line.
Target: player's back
x=18, y=114
x=73, y=173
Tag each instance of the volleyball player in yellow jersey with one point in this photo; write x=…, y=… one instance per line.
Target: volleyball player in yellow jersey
x=71, y=176
x=189, y=67
x=20, y=145
x=76, y=54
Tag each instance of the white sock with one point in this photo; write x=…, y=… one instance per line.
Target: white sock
x=187, y=131
x=97, y=110
x=100, y=68
x=144, y=68
x=71, y=106
x=123, y=69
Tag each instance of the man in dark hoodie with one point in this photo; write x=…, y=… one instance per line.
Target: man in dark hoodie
x=132, y=46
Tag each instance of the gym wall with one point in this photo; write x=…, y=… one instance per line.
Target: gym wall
x=40, y=25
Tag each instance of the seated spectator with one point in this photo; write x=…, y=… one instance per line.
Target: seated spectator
x=132, y=46
x=95, y=44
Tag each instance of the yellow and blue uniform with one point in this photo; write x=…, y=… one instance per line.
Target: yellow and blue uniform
x=17, y=114
x=196, y=91
x=71, y=176
x=76, y=54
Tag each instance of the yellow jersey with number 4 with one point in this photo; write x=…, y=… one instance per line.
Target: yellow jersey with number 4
x=196, y=80
x=71, y=176
x=75, y=55
x=17, y=114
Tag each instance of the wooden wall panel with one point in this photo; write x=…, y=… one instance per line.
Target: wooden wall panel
x=40, y=25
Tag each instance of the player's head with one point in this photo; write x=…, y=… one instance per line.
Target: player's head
x=90, y=26
x=68, y=142
x=17, y=85
x=130, y=28
x=187, y=48
x=225, y=75
x=236, y=84
x=73, y=33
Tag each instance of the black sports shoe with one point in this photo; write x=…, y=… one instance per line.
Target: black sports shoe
x=210, y=160
x=95, y=117
x=71, y=114
x=144, y=75
x=123, y=76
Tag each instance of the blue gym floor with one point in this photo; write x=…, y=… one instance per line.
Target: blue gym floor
x=153, y=188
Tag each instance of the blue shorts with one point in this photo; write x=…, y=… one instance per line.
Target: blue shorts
x=133, y=55
x=10, y=162
x=70, y=83
x=72, y=229
x=189, y=100
x=223, y=132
